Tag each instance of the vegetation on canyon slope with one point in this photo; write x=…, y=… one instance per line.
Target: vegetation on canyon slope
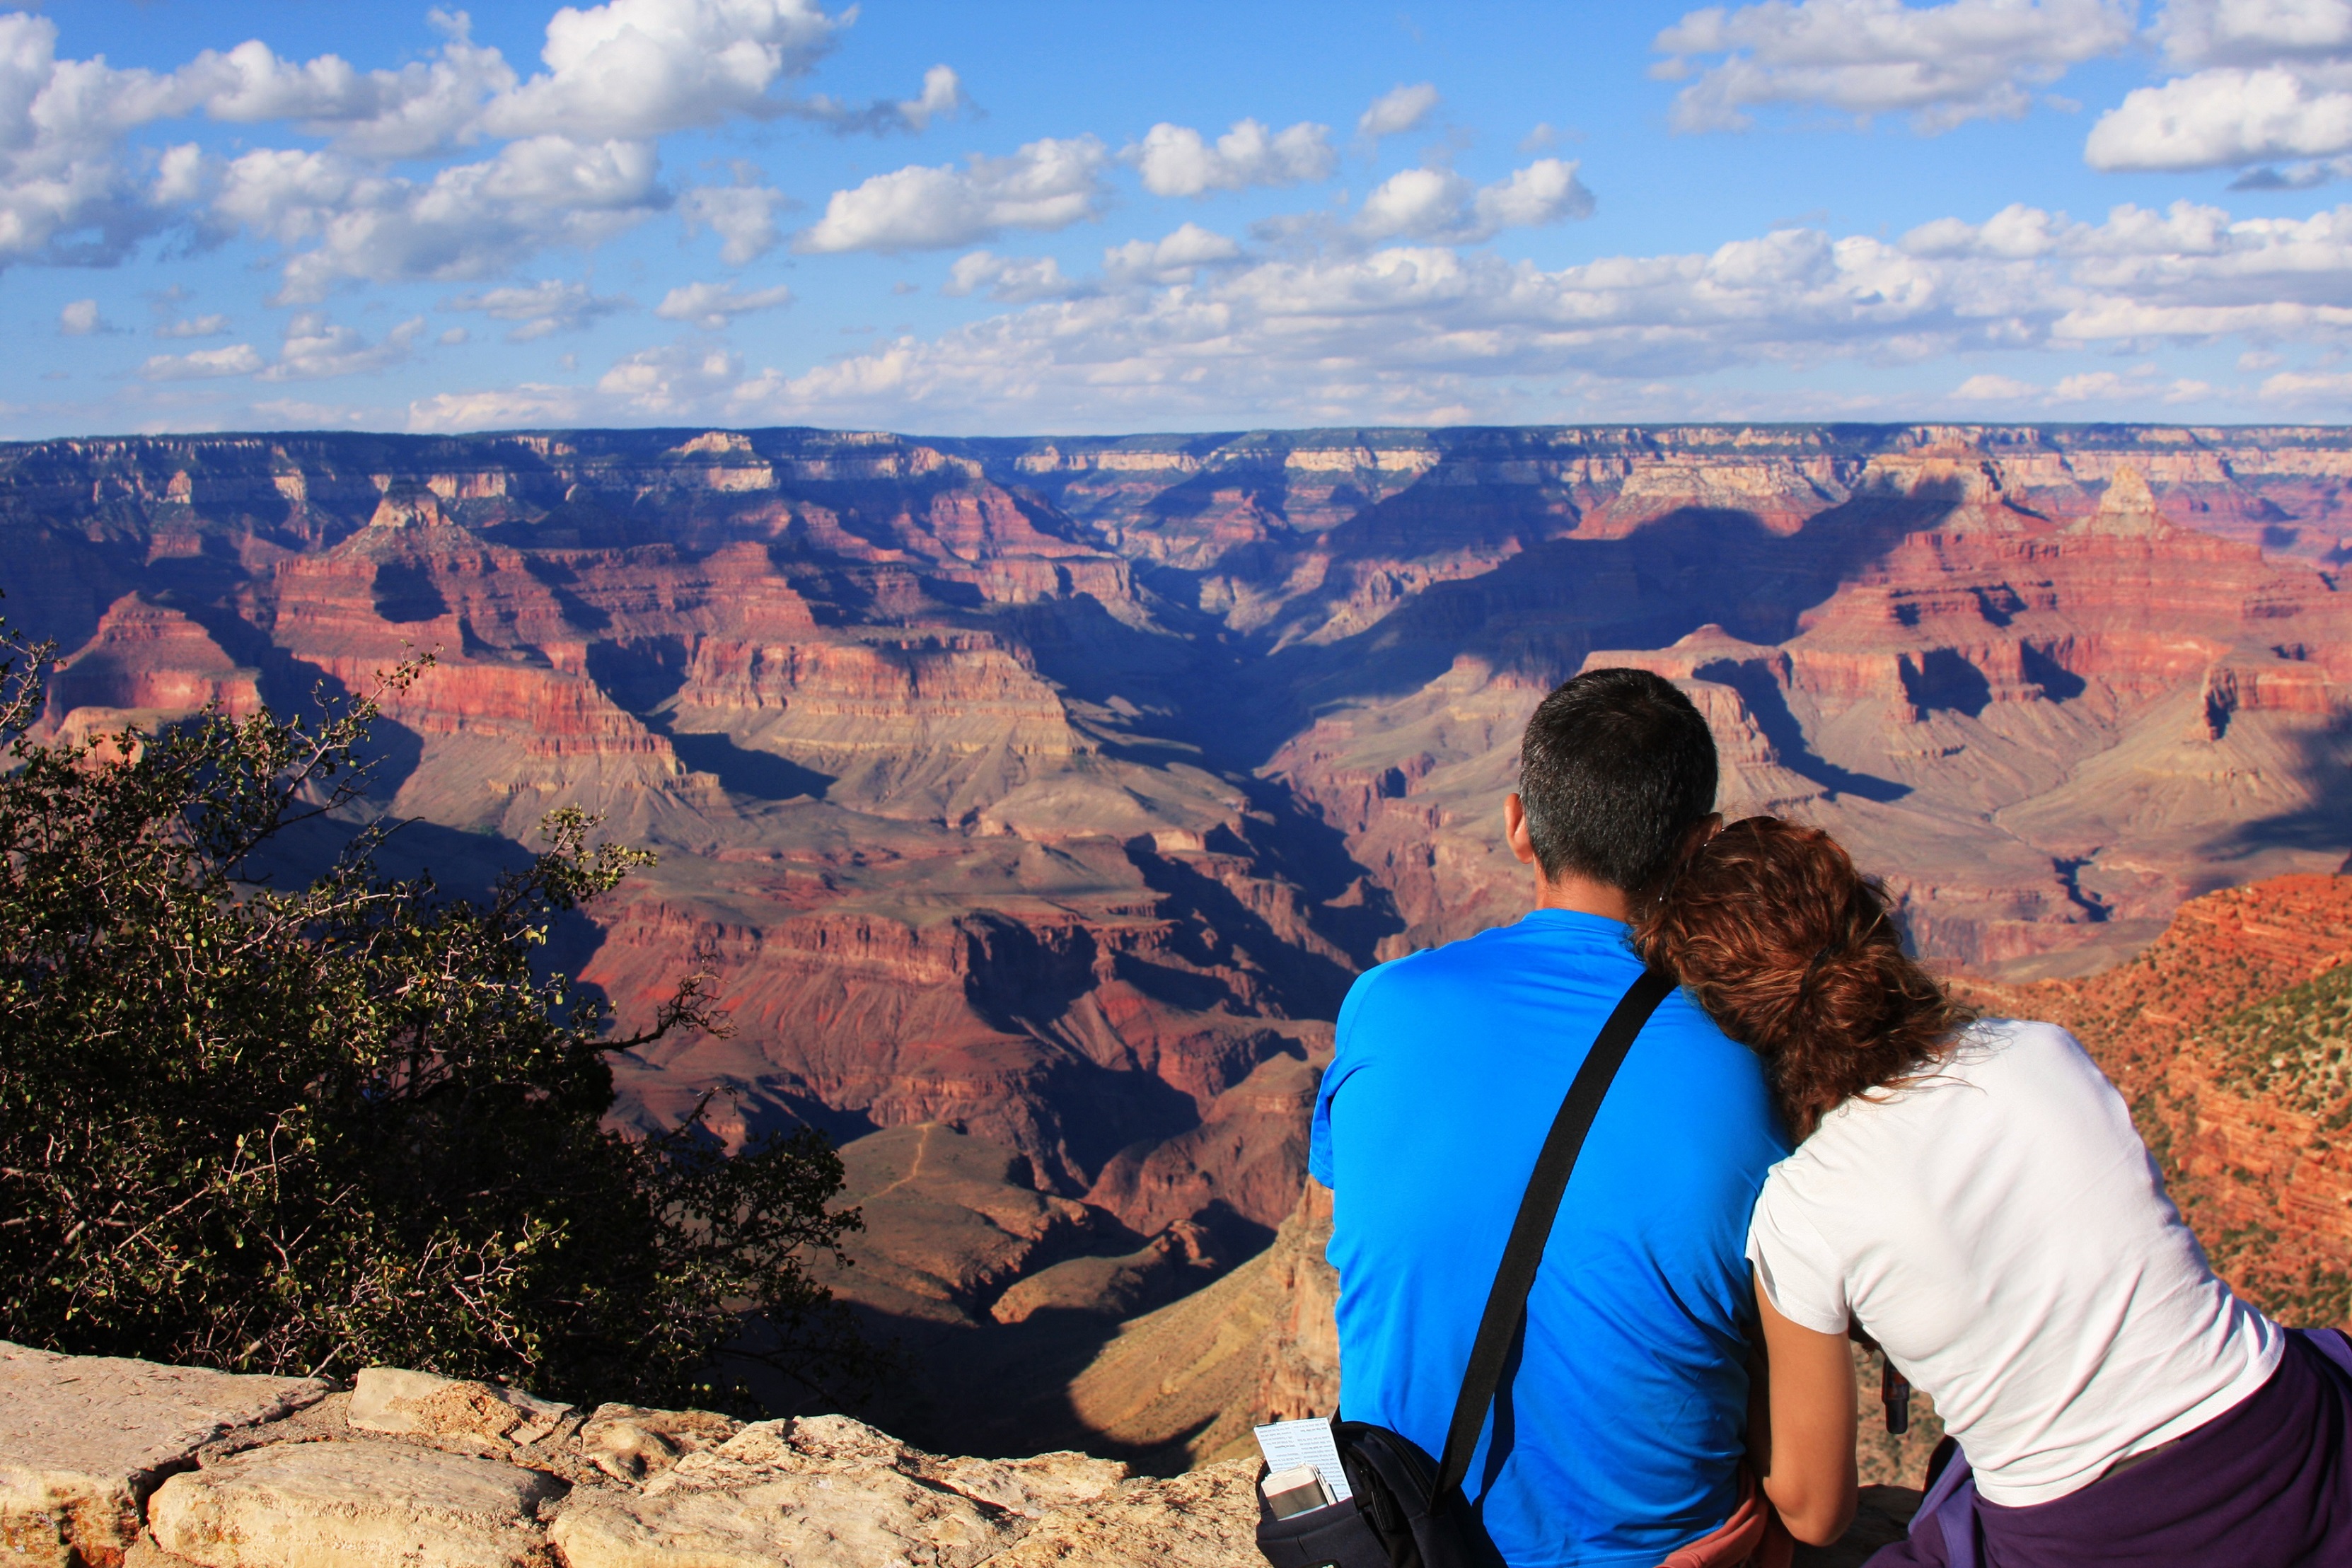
x=344, y=1123
x=2228, y=1038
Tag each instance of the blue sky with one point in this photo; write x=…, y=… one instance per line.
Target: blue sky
x=1037, y=218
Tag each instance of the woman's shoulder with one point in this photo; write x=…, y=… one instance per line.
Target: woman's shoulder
x=1988, y=1047
x=1957, y=1107
x=1994, y=1031
x=1987, y=1060
x=2005, y=1048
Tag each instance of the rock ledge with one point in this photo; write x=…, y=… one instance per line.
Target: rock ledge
x=107, y=1463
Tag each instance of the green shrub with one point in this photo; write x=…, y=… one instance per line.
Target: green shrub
x=312, y=1130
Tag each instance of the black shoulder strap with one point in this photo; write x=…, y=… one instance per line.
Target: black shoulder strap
x=1507, y=1304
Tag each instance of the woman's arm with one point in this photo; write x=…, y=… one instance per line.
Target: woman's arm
x=1800, y=1434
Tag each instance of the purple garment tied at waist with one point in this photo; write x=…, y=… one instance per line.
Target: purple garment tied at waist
x=2267, y=1484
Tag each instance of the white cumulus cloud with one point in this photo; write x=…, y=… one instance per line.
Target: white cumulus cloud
x=1047, y=184
x=469, y=221
x=1440, y=204
x=315, y=347
x=1995, y=389
x=66, y=196
x=2253, y=32
x=573, y=163
x=1015, y=279
x=1941, y=65
x=1178, y=161
x=713, y=305
x=237, y=360
x=743, y=215
x=635, y=68
x=1402, y=333
x=423, y=108
x=79, y=319
x=208, y=326
x=2220, y=117
x=548, y=307
x=2267, y=80
x=943, y=98
x=671, y=381
x=1423, y=330
x=1171, y=258
x=2105, y=386
x=2017, y=232
x=2307, y=387
x=1398, y=111
x=2187, y=272
x=179, y=176
x=503, y=408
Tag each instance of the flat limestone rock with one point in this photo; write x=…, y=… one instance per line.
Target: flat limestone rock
x=1203, y=1519
x=824, y=1492
x=1032, y=1488
x=324, y=1505
x=418, y=1403
x=84, y=1438
x=840, y=1445
x=879, y=1520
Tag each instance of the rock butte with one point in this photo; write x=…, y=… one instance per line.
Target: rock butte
x=1035, y=800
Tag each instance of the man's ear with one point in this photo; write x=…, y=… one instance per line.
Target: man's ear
x=1515, y=828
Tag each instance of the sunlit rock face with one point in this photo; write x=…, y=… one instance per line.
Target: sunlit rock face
x=1051, y=792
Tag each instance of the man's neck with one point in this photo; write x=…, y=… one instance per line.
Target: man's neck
x=1583, y=895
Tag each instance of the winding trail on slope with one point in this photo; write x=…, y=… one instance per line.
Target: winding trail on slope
x=914, y=1168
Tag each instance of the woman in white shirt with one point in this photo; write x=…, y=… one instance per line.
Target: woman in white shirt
x=1972, y=1195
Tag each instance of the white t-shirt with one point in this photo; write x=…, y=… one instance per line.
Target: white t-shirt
x=2002, y=1232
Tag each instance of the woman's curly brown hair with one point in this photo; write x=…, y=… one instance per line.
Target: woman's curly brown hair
x=1795, y=953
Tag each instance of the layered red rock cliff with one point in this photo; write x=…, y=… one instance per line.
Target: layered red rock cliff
x=2044, y=734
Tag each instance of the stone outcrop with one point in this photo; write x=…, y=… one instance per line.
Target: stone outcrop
x=284, y=1478
x=84, y=1440
x=403, y=1404
x=106, y=1461
x=313, y=1505
x=775, y=1492
x=1188, y=1519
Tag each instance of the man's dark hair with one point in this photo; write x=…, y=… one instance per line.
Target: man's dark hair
x=1615, y=767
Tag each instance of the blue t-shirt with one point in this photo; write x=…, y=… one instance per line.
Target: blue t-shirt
x=1618, y=1432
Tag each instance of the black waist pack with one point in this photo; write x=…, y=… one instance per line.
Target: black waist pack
x=1408, y=1510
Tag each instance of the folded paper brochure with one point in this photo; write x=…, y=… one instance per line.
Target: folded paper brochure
x=1288, y=1445
x=1295, y=1491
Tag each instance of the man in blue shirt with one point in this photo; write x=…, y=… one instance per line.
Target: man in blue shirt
x=1617, y=1434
